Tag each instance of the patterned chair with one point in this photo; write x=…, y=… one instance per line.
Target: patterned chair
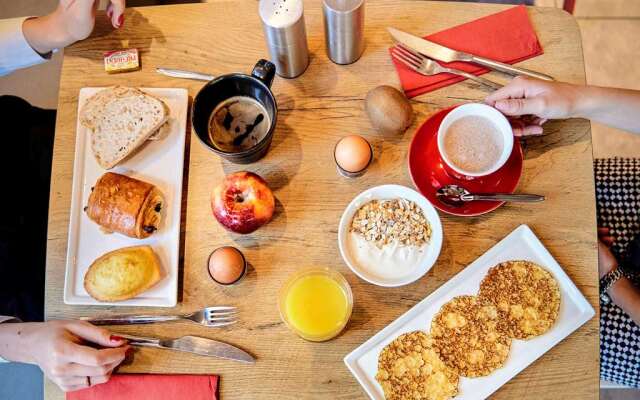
x=618, y=205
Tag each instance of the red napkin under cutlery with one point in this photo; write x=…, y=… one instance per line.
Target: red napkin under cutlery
x=507, y=36
x=152, y=387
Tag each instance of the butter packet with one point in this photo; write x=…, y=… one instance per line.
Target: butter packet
x=121, y=61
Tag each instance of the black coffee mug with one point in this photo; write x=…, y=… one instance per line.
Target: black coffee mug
x=256, y=86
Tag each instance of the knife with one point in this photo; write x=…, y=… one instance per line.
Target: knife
x=193, y=344
x=439, y=52
x=184, y=74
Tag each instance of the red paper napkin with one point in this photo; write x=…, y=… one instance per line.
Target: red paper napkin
x=506, y=36
x=152, y=387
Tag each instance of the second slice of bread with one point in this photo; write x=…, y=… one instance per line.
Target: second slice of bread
x=121, y=119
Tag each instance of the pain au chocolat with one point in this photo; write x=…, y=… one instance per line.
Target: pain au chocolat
x=122, y=204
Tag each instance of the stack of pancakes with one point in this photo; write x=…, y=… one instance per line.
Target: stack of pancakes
x=471, y=335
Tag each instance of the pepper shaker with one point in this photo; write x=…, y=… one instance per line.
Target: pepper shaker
x=286, y=36
x=344, y=29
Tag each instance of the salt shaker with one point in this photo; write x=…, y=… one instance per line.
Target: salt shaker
x=344, y=29
x=286, y=36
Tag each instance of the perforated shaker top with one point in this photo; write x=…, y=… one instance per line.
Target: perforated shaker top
x=280, y=13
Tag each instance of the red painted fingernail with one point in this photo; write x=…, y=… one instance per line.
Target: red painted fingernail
x=121, y=20
x=110, y=14
x=115, y=338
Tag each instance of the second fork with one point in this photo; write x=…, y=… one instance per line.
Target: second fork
x=210, y=316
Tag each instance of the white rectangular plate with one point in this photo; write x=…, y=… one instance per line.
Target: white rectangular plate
x=159, y=162
x=521, y=244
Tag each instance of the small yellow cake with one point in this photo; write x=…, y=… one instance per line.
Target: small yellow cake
x=123, y=274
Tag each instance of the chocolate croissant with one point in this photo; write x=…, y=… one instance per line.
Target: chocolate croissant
x=125, y=205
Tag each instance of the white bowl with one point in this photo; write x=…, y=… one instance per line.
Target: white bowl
x=389, y=192
x=480, y=110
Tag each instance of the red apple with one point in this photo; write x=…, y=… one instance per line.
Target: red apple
x=243, y=202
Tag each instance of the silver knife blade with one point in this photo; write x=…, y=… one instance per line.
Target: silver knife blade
x=180, y=73
x=207, y=347
x=429, y=49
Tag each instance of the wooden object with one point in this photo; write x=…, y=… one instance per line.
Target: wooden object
x=316, y=109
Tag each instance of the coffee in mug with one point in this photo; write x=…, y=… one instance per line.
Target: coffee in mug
x=473, y=143
x=238, y=124
x=235, y=115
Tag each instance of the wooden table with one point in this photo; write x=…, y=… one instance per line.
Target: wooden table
x=316, y=109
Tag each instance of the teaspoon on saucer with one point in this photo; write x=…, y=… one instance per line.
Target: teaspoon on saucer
x=456, y=196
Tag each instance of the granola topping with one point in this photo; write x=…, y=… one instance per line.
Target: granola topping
x=385, y=221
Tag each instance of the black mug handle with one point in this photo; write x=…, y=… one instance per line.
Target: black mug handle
x=265, y=71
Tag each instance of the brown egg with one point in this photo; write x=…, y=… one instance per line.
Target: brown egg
x=226, y=265
x=353, y=153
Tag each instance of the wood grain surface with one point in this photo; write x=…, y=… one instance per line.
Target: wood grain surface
x=316, y=109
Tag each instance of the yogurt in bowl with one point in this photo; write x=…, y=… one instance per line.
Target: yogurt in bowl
x=387, y=249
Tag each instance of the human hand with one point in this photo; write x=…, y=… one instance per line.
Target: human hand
x=542, y=100
x=77, y=17
x=72, y=20
x=64, y=352
x=606, y=260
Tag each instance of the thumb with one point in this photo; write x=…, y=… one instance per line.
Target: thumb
x=95, y=334
x=533, y=106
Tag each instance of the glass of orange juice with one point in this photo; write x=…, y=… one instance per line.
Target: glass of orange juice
x=316, y=303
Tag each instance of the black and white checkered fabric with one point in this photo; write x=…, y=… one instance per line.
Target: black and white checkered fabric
x=618, y=204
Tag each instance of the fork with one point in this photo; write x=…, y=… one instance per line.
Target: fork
x=209, y=316
x=428, y=67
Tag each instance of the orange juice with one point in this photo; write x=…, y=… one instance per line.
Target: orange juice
x=316, y=304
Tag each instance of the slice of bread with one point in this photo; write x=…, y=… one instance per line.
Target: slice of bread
x=123, y=274
x=121, y=119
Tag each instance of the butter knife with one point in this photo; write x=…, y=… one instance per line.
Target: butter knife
x=193, y=344
x=442, y=53
x=184, y=74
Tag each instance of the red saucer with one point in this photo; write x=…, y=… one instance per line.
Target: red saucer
x=428, y=172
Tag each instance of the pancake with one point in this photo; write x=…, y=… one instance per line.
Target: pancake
x=409, y=368
x=527, y=297
x=469, y=336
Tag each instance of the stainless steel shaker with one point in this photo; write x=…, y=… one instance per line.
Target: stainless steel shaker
x=286, y=36
x=344, y=29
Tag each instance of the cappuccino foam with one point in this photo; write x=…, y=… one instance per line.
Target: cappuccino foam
x=473, y=144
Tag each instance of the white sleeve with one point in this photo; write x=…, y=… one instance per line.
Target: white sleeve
x=7, y=319
x=15, y=51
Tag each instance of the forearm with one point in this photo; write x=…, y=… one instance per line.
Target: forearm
x=46, y=33
x=13, y=342
x=618, y=108
x=626, y=296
